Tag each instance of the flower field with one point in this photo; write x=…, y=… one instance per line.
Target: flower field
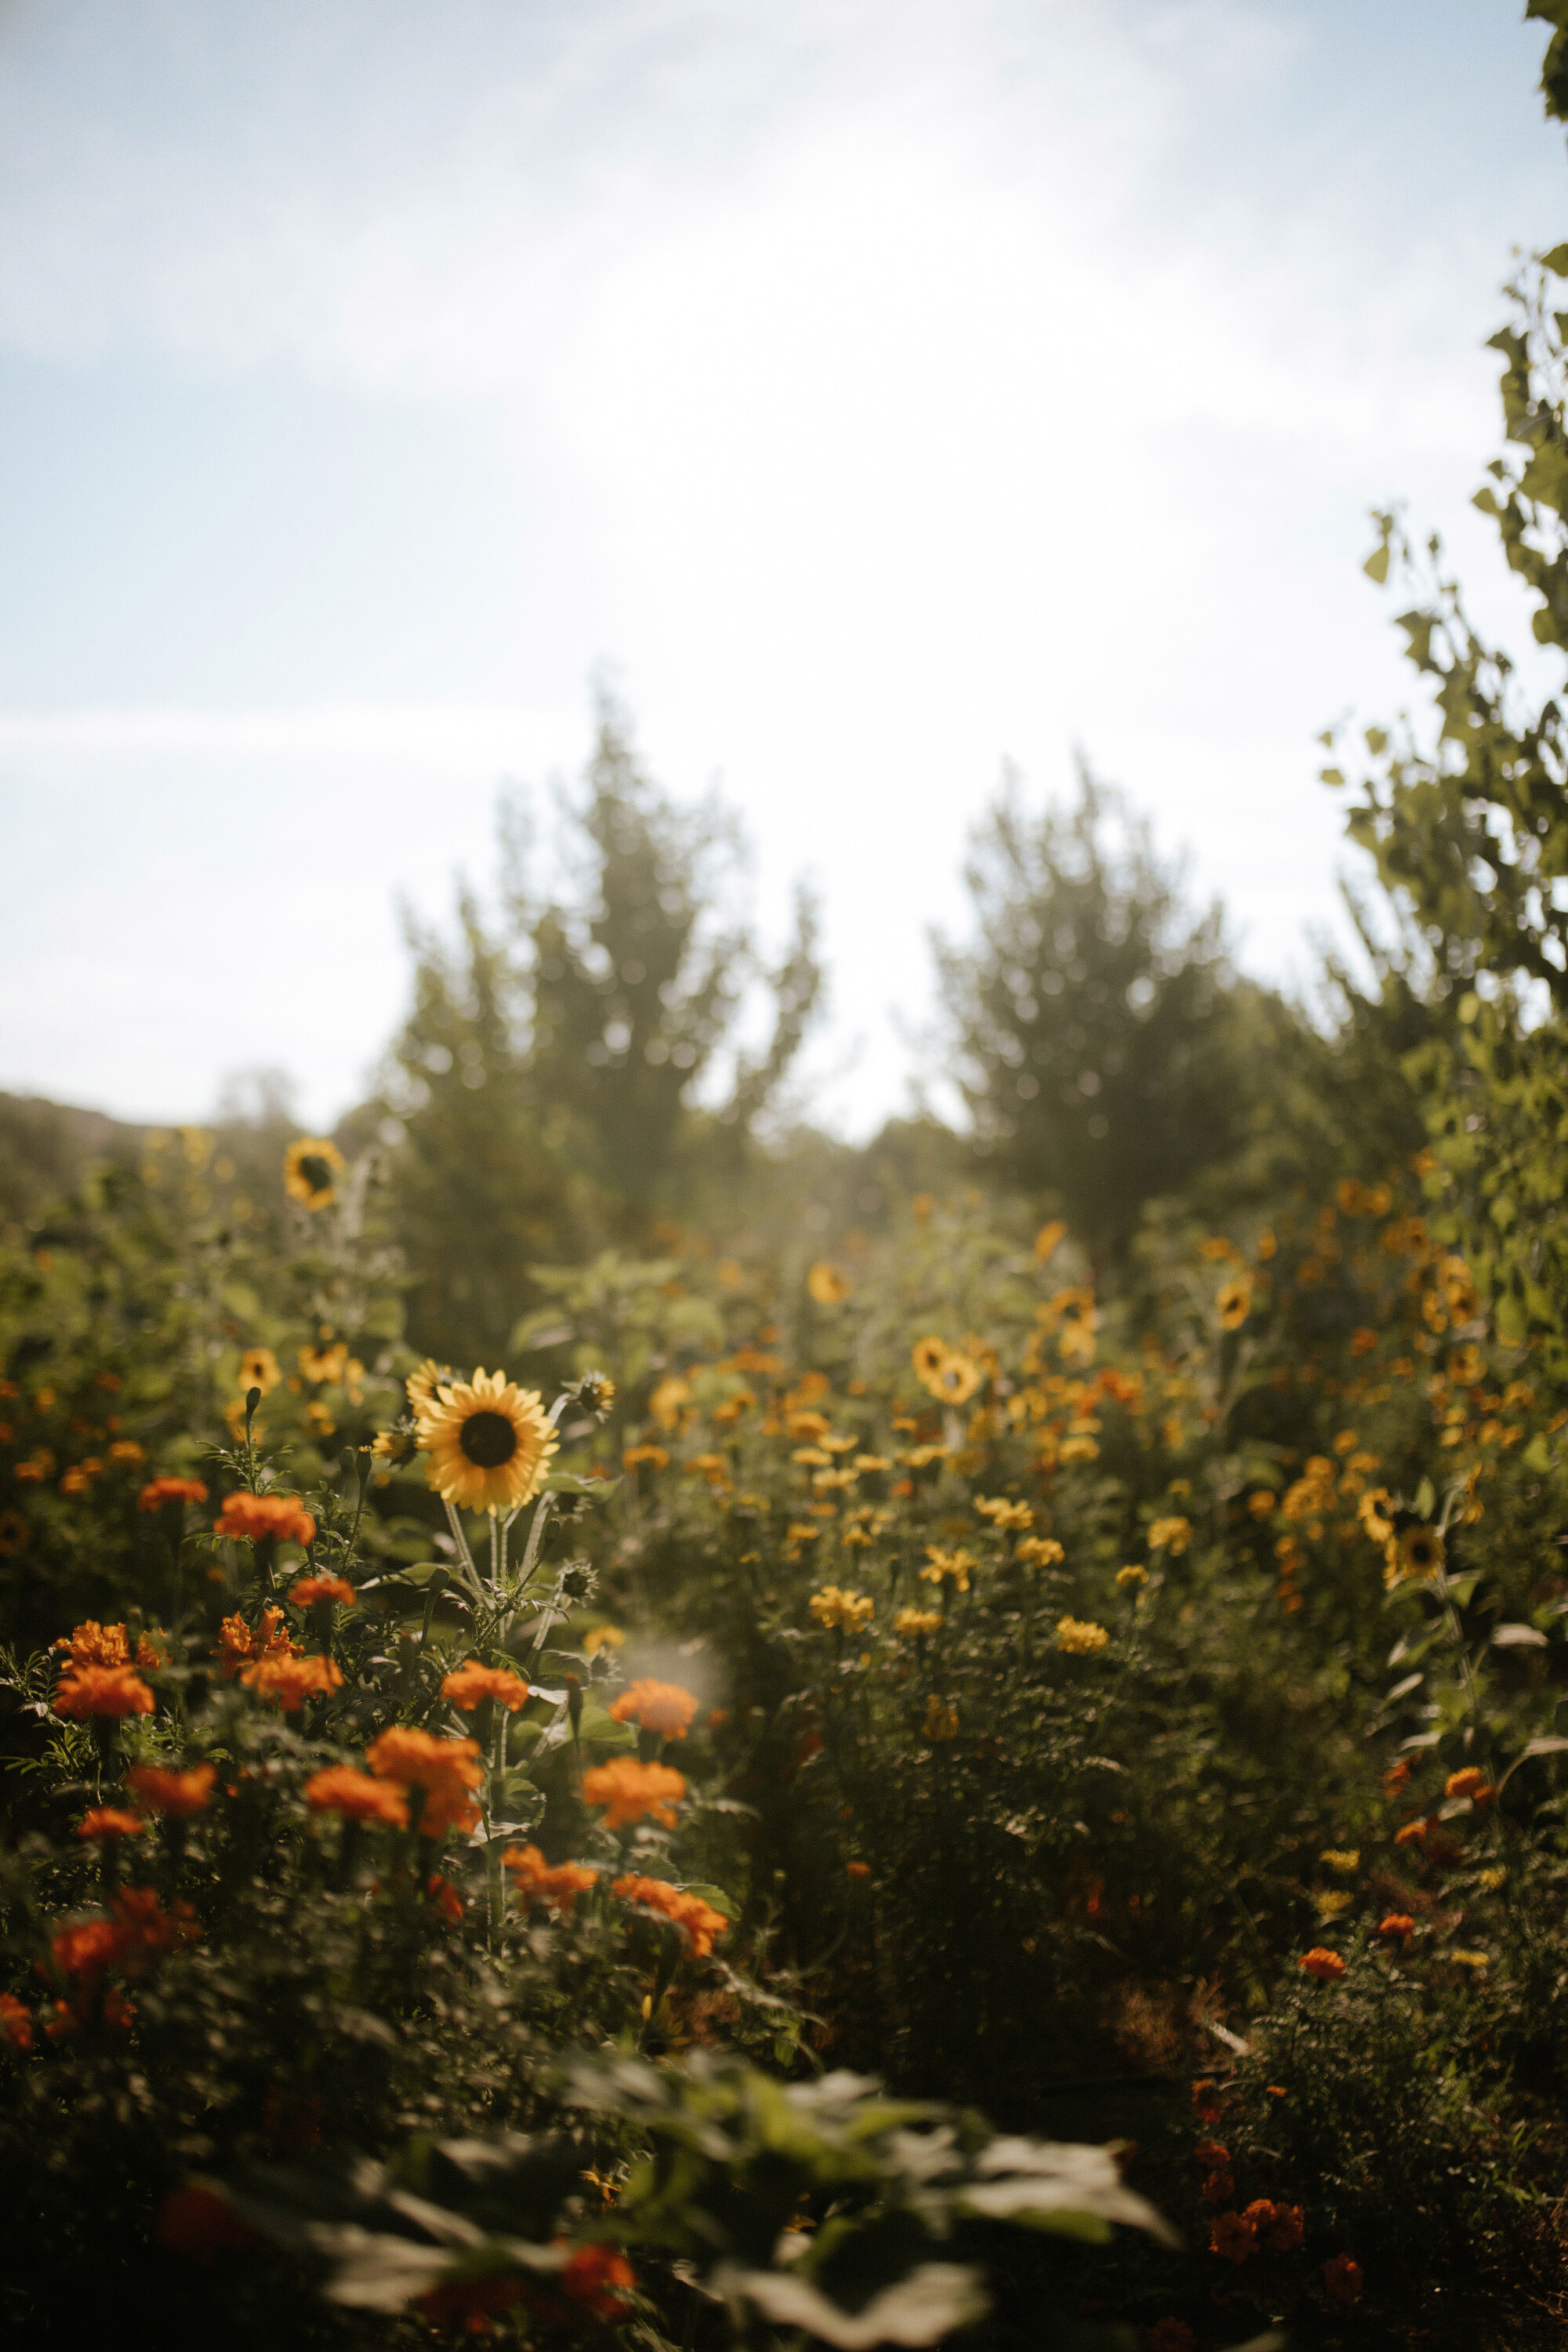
x=582, y=1852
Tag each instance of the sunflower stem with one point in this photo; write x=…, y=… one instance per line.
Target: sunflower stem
x=535, y=1537
x=465, y=1555
x=495, y=1554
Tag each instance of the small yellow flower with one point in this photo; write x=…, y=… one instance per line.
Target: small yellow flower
x=311, y=1171
x=1079, y=1449
x=1130, y=1579
x=1171, y=1535
x=827, y=1284
x=1002, y=1515
x=956, y=1564
x=1332, y=1905
x=1048, y=1239
x=603, y=1637
x=845, y=1611
x=1039, y=1551
x=324, y=1365
x=941, y=1720
x=1345, y=1859
x=1079, y=1637
x=911, y=1621
x=1469, y=1959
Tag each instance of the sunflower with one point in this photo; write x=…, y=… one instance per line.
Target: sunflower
x=310, y=1169
x=827, y=1284
x=324, y=1363
x=1418, y=1554
x=958, y=1379
x=927, y=1357
x=258, y=1369
x=489, y=1442
x=1235, y=1304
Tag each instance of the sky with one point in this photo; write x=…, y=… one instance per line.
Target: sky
x=875, y=391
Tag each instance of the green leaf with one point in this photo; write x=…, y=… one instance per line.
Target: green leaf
x=564, y=1482
x=1556, y=261
x=1377, y=565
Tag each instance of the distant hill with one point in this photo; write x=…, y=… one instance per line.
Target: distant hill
x=45, y=1149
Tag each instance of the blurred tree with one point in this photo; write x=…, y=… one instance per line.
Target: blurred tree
x=1102, y=1036
x=545, y=1077
x=637, y=981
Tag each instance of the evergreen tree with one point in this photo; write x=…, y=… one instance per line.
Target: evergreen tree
x=546, y=1076
x=1099, y=1028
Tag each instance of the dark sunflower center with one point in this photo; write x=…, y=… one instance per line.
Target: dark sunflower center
x=489, y=1439
x=316, y=1173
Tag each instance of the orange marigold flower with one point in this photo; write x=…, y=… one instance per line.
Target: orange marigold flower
x=630, y=1791
x=15, y=2025
x=177, y=1794
x=1233, y=2237
x=1397, y=1927
x=858, y=1869
x=109, y=1822
x=1396, y=1777
x=657, y=1707
x=308, y=1592
x=1469, y=1782
x=448, y=1771
x=539, y=1881
x=251, y=1517
x=1205, y=2101
x=1411, y=1835
x=290, y=1681
x=1210, y=2155
x=237, y=1641
x=1322, y=1964
x=103, y=1691
x=1218, y=2186
x=93, y=1644
x=599, y=2280
x=344, y=1789
x=695, y=1918
x=470, y=2303
x=1341, y=2279
x=445, y=1898
x=1169, y=2334
x=148, y=1927
x=472, y=1682
x=159, y=1491
x=1281, y=2227
x=202, y=2224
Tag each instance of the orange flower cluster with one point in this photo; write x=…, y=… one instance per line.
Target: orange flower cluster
x=1471, y=1783
x=344, y=1789
x=200, y=2224
x=1278, y=2228
x=1322, y=1964
x=137, y=1925
x=102, y=1690
x=695, y=1918
x=537, y=1882
x=448, y=1771
x=159, y=1491
x=472, y=1684
x=93, y=1644
x=109, y=1822
x=251, y=1517
x=238, y=1642
x=1341, y=2279
x=657, y=1707
x=290, y=1681
x=176, y=1794
x=1397, y=1927
x=308, y=1591
x=630, y=1791
x=15, y=2025
x=598, y=2281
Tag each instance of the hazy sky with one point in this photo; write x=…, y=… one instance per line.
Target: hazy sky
x=884, y=388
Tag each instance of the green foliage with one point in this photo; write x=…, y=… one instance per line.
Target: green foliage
x=547, y=1078
x=1099, y=1031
